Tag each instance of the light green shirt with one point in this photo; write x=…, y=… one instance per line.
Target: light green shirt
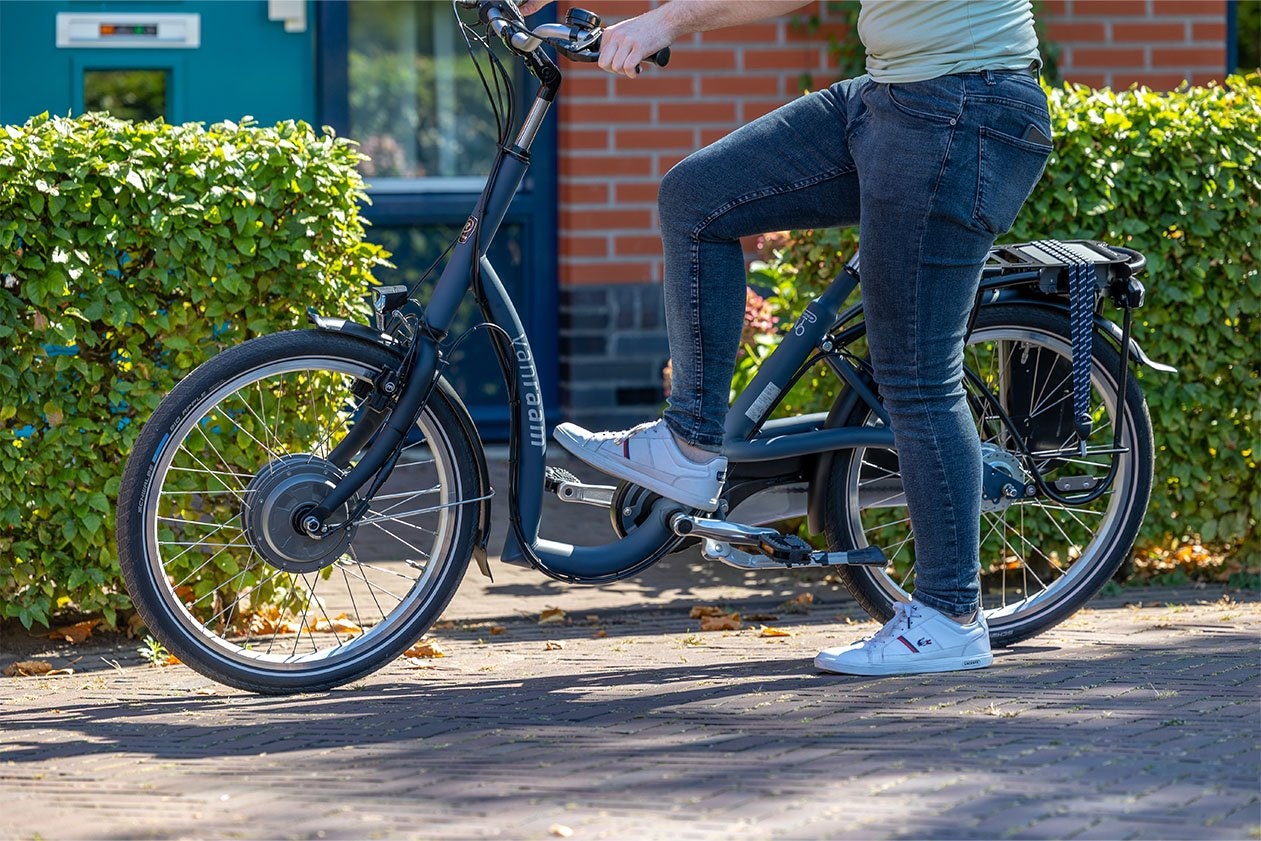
x=914, y=40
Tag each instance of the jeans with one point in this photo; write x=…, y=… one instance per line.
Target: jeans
x=931, y=172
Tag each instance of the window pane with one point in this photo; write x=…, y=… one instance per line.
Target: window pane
x=126, y=94
x=417, y=106
x=473, y=371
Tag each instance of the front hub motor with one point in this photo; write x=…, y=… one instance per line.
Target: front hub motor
x=276, y=501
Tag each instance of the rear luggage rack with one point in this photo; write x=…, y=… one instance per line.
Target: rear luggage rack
x=1113, y=267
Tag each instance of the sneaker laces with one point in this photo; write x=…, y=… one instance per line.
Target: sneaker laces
x=619, y=437
x=898, y=624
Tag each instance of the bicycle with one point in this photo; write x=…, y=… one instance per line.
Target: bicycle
x=267, y=472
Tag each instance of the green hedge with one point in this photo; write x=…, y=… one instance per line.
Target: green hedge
x=1177, y=176
x=130, y=253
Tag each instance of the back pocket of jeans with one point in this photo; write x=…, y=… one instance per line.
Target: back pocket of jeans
x=1009, y=169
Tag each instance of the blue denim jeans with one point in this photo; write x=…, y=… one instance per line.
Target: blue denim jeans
x=931, y=172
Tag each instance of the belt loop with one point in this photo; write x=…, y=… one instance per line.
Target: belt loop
x=988, y=76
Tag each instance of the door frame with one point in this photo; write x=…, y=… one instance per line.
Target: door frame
x=534, y=208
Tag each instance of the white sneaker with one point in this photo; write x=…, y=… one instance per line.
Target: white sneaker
x=917, y=639
x=648, y=456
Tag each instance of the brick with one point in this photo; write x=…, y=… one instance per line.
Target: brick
x=1189, y=56
x=652, y=85
x=1146, y=31
x=583, y=84
x=1110, y=8
x=1184, y=8
x=636, y=193
x=606, y=165
x=779, y=59
x=625, y=246
x=751, y=110
x=1208, y=30
x=687, y=61
x=576, y=138
x=594, y=113
x=740, y=86
x=1074, y=31
x=1122, y=79
x=1107, y=57
x=619, y=219
x=657, y=138
x=579, y=246
x=697, y=112
x=572, y=193
x=606, y=272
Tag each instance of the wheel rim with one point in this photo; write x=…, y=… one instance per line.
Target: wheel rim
x=1035, y=553
x=220, y=588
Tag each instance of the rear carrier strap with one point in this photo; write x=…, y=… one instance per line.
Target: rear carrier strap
x=1086, y=268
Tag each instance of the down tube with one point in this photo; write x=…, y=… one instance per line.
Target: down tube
x=529, y=430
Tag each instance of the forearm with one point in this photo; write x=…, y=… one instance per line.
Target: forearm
x=626, y=44
x=684, y=17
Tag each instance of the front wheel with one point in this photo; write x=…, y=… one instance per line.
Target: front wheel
x=208, y=509
x=1040, y=560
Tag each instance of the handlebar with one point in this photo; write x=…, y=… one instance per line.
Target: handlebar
x=578, y=38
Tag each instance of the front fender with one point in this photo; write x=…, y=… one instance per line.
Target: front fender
x=368, y=334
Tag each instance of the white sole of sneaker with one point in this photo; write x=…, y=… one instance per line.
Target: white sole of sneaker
x=617, y=468
x=954, y=664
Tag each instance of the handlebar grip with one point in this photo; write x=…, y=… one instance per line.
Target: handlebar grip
x=661, y=57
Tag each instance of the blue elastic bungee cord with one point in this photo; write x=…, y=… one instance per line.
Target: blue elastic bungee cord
x=1081, y=306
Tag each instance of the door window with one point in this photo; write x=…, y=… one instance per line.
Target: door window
x=417, y=106
x=129, y=94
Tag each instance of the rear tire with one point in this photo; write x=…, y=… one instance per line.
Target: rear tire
x=223, y=469
x=1040, y=561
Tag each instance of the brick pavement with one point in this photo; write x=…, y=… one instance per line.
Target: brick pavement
x=1138, y=718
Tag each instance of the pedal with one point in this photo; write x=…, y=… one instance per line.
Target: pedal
x=567, y=488
x=554, y=477
x=773, y=549
x=787, y=549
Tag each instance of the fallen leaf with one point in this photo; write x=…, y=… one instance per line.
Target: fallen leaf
x=721, y=623
x=59, y=672
x=593, y=619
x=798, y=604
x=27, y=668
x=75, y=633
x=551, y=616
x=169, y=660
x=496, y=630
x=560, y=830
x=701, y=611
x=339, y=624
x=767, y=631
x=553, y=645
x=134, y=626
x=425, y=648
x=600, y=634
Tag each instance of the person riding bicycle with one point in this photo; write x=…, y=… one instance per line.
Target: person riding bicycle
x=931, y=153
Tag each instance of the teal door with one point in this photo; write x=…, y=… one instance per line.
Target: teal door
x=182, y=60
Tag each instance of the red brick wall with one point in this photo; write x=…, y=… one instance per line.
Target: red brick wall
x=1158, y=43
x=619, y=136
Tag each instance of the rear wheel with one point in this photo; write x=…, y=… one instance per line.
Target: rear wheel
x=1040, y=560
x=221, y=475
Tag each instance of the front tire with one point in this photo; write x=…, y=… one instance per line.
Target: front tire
x=1040, y=560
x=220, y=475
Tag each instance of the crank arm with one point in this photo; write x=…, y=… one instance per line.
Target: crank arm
x=568, y=489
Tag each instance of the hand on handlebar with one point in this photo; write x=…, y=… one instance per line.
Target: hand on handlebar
x=624, y=46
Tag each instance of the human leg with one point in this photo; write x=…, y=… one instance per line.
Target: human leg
x=789, y=169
